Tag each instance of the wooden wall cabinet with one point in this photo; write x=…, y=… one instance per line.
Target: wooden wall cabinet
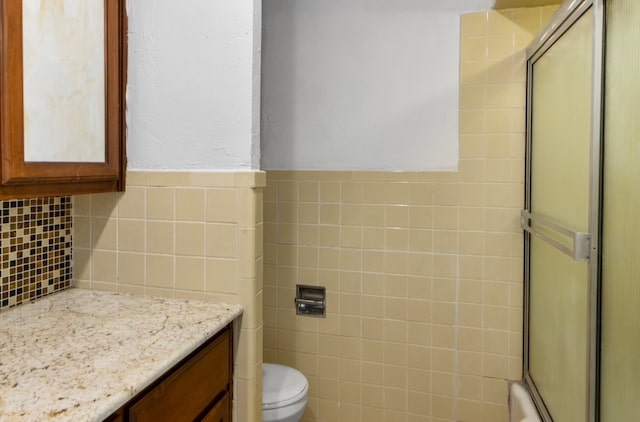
x=197, y=389
x=76, y=100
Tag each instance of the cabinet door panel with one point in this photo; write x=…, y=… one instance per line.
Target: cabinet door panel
x=23, y=98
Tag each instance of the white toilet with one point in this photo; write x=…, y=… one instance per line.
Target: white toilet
x=284, y=393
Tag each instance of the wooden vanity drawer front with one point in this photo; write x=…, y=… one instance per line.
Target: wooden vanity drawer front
x=191, y=388
x=221, y=412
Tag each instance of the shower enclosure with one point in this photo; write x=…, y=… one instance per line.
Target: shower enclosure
x=582, y=262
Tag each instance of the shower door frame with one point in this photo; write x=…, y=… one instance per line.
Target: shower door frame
x=569, y=12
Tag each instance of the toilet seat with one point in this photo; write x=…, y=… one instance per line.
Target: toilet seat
x=282, y=386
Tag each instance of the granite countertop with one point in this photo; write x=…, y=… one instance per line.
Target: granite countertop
x=79, y=355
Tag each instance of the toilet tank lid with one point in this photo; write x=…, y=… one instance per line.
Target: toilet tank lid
x=282, y=385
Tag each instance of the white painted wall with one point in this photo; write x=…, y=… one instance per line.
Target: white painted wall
x=194, y=84
x=361, y=84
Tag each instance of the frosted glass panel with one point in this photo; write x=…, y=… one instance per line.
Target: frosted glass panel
x=561, y=127
x=64, y=82
x=620, y=364
x=558, y=331
x=560, y=155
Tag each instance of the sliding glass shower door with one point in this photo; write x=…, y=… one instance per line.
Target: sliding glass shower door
x=620, y=346
x=582, y=253
x=557, y=218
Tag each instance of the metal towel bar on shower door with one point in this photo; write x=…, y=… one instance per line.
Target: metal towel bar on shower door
x=581, y=242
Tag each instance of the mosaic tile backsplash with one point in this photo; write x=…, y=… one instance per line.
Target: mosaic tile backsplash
x=35, y=244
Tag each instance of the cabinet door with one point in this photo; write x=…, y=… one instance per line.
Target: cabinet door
x=62, y=85
x=191, y=389
x=221, y=412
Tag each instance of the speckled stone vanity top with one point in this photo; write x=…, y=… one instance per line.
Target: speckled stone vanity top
x=79, y=355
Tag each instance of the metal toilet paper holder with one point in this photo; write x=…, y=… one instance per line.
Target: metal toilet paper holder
x=311, y=300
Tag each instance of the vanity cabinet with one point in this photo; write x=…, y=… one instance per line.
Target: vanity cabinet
x=62, y=97
x=197, y=389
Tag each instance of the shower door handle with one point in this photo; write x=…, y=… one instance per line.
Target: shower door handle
x=580, y=249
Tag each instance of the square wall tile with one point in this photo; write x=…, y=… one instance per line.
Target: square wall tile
x=222, y=276
x=132, y=203
x=131, y=235
x=221, y=240
x=222, y=205
x=104, y=233
x=190, y=204
x=160, y=271
x=161, y=203
x=131, y=268
x=190, y=239
x=105, y=266
x=160, y=237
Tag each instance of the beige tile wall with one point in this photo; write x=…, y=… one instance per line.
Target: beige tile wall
x=195, y=235
x=423, y=270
